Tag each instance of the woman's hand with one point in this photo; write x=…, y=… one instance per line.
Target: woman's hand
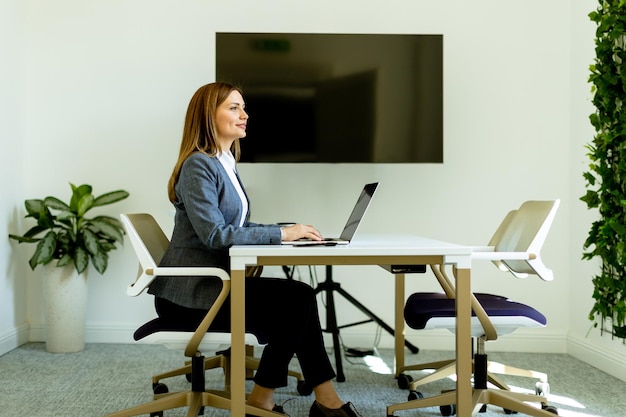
x=300, y=231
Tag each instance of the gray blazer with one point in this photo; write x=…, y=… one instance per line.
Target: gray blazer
x=208, y=210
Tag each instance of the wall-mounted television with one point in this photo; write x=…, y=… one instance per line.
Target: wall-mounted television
x=343, y=98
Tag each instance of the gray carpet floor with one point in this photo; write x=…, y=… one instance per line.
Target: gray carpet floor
x=109, y=377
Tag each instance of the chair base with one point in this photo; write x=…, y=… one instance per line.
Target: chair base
x=513, y=401
x=222, y=360
x=194, y=400
x=446, y=368
x=503, y=397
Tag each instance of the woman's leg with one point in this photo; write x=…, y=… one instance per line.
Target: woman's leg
x=284, y=313
x=261, y=397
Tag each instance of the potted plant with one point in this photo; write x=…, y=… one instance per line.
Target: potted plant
x=606, y=177
x=63, y=234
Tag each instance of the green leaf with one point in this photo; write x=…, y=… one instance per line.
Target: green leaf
x=591, y=198
x=35, y=230
x=56, y=204
x=111, y=220
x=45, y=248
x=32, y=262
x=35, y=206
x=81, y=259
x=591, y=180
x=45, y=221
x=91, y=241
x=618, y=227
x=65, y=260
x=66, y=216
x=81, y=190
x=100, y=261
x=111, y=231
x=110, y=198
x=24, y=239
x=106, y=246
x=77, y=194
x=84, y=204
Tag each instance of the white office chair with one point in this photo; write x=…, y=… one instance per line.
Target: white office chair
x=149, y=243
x=515, y=247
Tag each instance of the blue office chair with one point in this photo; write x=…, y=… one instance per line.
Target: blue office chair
x=516, y=248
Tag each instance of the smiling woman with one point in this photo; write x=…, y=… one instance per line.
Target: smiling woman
x=231, y=120
x=212, y=215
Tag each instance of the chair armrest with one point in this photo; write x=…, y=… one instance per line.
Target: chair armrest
x=503, y=256
x=145, y=278
x=185, y=271
x=499, y=258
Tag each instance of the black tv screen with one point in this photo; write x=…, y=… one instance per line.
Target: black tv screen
x=344, y=98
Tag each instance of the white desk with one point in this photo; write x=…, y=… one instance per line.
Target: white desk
x=371, y=250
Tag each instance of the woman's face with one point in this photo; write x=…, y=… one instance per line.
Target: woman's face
x=231, y=118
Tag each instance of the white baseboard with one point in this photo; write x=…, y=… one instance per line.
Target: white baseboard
x=13, y=339
x=599, y=357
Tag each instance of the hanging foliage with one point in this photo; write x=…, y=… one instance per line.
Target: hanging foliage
x=606, y=177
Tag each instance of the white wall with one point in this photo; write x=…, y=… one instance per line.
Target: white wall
x=108, y=84
x=13, y=294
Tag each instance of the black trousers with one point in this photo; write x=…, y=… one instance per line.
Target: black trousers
x=282, y=313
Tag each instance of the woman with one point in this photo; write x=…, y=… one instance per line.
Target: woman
x=211, y=216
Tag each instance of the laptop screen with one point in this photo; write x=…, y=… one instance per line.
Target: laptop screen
x=359, y=210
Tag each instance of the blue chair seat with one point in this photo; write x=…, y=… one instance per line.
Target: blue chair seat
x=434, y=310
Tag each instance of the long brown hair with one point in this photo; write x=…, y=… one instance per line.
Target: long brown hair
x=199, y=134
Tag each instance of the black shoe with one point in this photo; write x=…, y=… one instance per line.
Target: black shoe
x=277, y=409
x=346, y=410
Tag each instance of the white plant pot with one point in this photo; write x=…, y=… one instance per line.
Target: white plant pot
x=65, y=295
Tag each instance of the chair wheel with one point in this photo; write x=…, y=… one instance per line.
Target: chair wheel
x=304, y=388
x=404, y=381
x=447, y=410
x=542, y=388
x=550, y=409
x=160, y=388
x=415, y=395
x=507, y=411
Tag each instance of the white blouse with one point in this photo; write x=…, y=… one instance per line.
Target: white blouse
x=228, y=162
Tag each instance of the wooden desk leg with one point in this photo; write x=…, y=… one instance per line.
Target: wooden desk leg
x=463, y=343
x=399, y=324
x=238, y=346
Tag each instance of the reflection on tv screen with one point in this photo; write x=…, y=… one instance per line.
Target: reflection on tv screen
x=344, y=98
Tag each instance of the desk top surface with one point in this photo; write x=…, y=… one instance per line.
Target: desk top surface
x=369, y=245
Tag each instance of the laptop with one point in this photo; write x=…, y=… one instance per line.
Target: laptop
x=362, y=203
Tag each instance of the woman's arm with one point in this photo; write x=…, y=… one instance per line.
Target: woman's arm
x=213, y=206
